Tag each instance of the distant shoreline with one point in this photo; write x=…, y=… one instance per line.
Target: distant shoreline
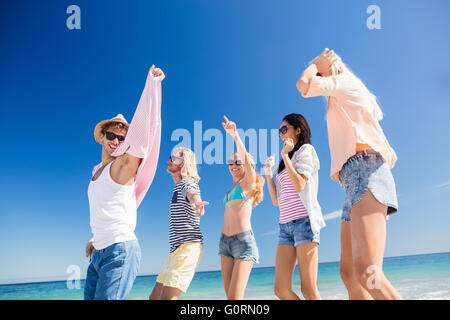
x=58, y=279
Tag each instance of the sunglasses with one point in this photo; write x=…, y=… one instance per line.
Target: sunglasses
x=111, y=136
x=173, y=158
x=231, y=162
x=284, y=129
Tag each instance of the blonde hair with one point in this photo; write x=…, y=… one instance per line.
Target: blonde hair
x=340, y=67
x=257, y=192
x=189, y=169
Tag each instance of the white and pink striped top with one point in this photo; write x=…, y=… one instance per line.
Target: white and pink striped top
x=289, y=202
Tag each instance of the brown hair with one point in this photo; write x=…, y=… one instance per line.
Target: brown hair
x=297, y=121
x=115, y=125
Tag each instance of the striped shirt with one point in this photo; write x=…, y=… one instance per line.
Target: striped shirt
x=184, y=223
x=289, y=202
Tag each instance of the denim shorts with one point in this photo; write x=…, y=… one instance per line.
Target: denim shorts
x=241, y=246
x=112, y=271
x=367, y=172
x=297, y=232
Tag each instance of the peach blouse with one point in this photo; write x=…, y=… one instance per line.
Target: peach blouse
x=351, y=119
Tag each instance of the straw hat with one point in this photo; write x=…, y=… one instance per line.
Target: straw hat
x=99, y=127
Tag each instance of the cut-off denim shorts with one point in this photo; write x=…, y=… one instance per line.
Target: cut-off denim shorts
x=297, y=232
x=241, y=246
x=367, y=172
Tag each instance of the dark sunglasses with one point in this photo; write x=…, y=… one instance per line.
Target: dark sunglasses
x=231, y=162
x=173, y=158
x=284, y=129
x=111, y=136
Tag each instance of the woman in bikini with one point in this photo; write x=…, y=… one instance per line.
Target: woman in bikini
x=237, y=246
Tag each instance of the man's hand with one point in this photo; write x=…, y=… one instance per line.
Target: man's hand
x=157, y=72
x=199, y=207
x=196, y=203
x=90, y=248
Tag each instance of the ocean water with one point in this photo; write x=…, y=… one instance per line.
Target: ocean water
x=417, y=277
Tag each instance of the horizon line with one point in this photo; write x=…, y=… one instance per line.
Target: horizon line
x=155, y=274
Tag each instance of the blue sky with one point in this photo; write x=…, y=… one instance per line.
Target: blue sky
x=238, y=58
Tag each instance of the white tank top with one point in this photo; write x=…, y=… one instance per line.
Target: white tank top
x=112, y=210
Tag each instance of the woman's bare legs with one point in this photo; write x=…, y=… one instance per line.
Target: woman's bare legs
x=368, y=234
x=227, y=271
x=284, y=269
x=308, y=261
x=239, y=278
x=354, y=288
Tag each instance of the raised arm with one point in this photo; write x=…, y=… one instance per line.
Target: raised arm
x=320, y=66
x=269, y=179
x=250, y=173
x=305, y=79
x=144, y=129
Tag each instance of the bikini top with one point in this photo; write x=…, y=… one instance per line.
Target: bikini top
x=235, y=193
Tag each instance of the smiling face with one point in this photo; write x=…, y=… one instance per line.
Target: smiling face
x=236, y=170
x=291, y=132
x=109, y=146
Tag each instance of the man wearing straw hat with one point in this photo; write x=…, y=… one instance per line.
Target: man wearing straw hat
x=118, y=185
